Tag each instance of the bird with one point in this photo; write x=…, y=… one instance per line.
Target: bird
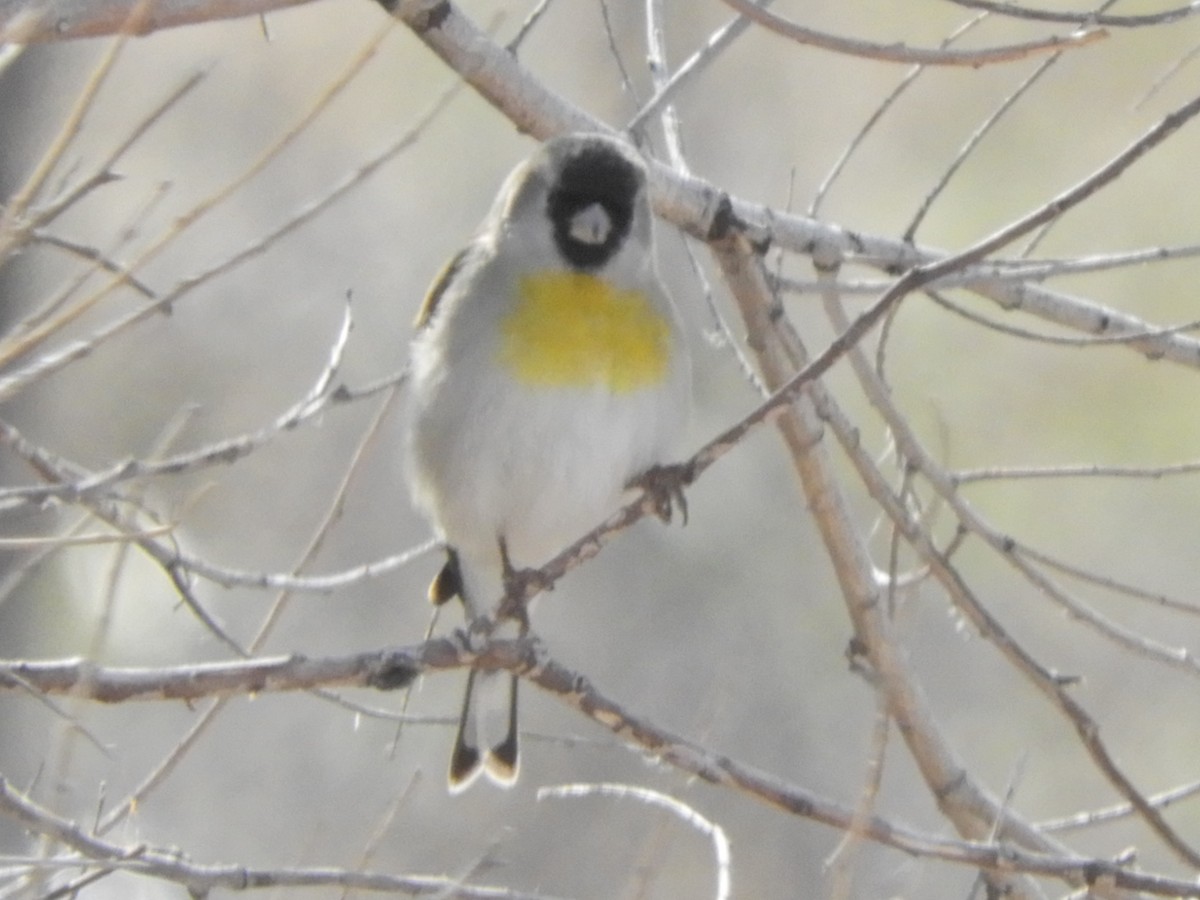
x=548, y=373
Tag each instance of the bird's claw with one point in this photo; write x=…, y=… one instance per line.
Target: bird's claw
x=663, y=486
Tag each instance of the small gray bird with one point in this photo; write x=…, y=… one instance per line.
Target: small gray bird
x=548, y=372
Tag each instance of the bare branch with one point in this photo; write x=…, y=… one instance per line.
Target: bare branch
x=227, y=450
x=665, y=91
x=391, y=668
x=17, y=205
x=170, y=865
x=50, y=362
x=999, y=270
x=1053, y=687
x=1084, y=19
x=673, y=805
x=974, y=140
x=894, y=524
x=1119, y=811
x=899, y=53
x=160, y=772
x=38, y=21
x=780, y=351
x=91, y=254
x=107, y=684
x=888, y=102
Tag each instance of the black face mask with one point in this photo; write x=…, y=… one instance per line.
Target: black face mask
x=595, y=175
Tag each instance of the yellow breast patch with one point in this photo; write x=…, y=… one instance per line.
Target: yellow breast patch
x=570, y=329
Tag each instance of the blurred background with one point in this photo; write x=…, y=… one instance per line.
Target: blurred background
x=730, y=631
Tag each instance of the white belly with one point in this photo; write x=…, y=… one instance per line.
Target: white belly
x=537, y=466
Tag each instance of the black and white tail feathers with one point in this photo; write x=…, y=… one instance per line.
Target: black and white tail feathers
x=486, y=741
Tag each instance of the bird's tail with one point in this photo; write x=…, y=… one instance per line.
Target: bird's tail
x=486, y=741
x=487, y=732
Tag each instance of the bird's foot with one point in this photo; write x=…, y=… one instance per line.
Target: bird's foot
x=664, y=486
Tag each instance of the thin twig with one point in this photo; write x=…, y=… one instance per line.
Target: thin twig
x=999, y=270
x=92, y=255
x=103, y=174
x=1025, y=334
x=28, y=22
x=527, y=26
x=839, y=865
x=656, y=62
x=974, y=140
x=375, y=840
x=18, y=204
x=1118, y=587
x=614, y=51
x=68, y=717
x=876, y=116
x=1171, y=72
x=1083, y=19
x=690, y=68
x=1085, y=470
x=1120, y=810
x=332, y=515
x=901, y=53
x=200, y=879
x=50, y=362
x=709, y=829
x=226, y=450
